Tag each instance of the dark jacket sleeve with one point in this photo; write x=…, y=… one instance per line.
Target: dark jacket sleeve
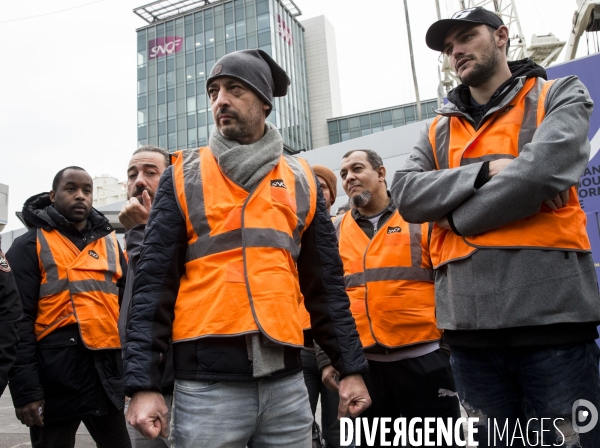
x=134, y=239
x=321, y=276
x=322, y=358
x=10, y=317
x=155, y=287
x=24, y=377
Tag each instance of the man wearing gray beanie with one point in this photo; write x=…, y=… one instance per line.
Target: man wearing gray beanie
x=238, y=235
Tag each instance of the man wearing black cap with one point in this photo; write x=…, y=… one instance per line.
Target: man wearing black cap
x=516, y=290
x=238, y=232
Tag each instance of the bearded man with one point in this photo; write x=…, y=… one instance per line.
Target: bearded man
x=515, y=284
x=145, y=169
x=388, y=275
x=237, y=234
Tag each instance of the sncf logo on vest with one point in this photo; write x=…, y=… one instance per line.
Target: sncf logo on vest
x=93, y=254
x=394, y=230
x=278, y=183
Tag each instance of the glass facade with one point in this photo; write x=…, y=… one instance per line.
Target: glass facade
x=353, y=126
x=175, y=56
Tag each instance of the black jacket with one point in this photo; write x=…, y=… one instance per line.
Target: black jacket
x=155, y=290
x=134, y=239
x=10, y=316
x=73, y=380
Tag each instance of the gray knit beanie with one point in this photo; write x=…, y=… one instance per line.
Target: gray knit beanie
x=256, y=69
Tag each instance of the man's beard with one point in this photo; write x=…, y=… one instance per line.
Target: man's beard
x=70, y=214
x=362, y=199
x=242, y=127
x=483, y=71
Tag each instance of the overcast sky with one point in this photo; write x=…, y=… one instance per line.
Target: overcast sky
x=69, y=78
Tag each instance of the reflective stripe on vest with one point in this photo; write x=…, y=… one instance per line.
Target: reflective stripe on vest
x=79, y=290
x=389, y=282
x=241, y=245
x=455, y=143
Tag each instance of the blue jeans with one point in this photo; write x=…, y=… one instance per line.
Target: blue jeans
x=267, y=413
x=526, y=385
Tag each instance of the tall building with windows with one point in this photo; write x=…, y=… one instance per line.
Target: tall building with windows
x=178, y=48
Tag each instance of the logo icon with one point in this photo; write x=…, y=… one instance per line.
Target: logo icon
x=394, y=230
x=4, y=266
x=277, y=183
x=93, y=254
x=217, y=70
x=284, y=31
x=462, y=14
x=163, y=46
x=584, y=411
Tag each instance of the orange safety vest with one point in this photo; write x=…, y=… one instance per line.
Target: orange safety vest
x=240, y=274
x=455, y=143
x=79, y=287
x=389, y=280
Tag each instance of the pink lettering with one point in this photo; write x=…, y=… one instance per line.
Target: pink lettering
x=284, y=31
x=162, y=46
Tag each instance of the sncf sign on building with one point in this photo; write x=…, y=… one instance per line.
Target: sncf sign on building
x=284, y=31
x=162, y=46
x=181, y=44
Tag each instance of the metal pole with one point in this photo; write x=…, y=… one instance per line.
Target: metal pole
x=437, y=8
x=412, y=62
x=440, y=90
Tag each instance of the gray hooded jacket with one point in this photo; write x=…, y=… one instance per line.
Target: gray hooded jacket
x=500, y=289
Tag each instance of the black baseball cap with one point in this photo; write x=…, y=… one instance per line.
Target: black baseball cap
x=437, y=32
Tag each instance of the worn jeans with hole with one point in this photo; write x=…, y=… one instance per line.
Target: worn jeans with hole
x=418, y=387
x=526, y=385
x=267, y=413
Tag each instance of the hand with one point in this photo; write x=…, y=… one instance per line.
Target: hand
x=559, y=201
x=354, y=396
x=496, y=166
x=148, y=414
x=134, y=213
x=31, y=414
x=443, y=223
x=329, y=377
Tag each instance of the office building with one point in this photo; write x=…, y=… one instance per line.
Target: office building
x=177, y=50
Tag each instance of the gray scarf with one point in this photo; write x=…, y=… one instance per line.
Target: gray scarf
x=247, y=165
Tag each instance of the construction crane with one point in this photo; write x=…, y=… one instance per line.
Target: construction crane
x=543, y=49
x=586, y=18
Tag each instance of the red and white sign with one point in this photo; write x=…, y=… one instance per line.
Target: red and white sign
x=284, y=31
x=162, y=46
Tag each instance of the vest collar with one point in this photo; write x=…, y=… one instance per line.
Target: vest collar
x=503, y=98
